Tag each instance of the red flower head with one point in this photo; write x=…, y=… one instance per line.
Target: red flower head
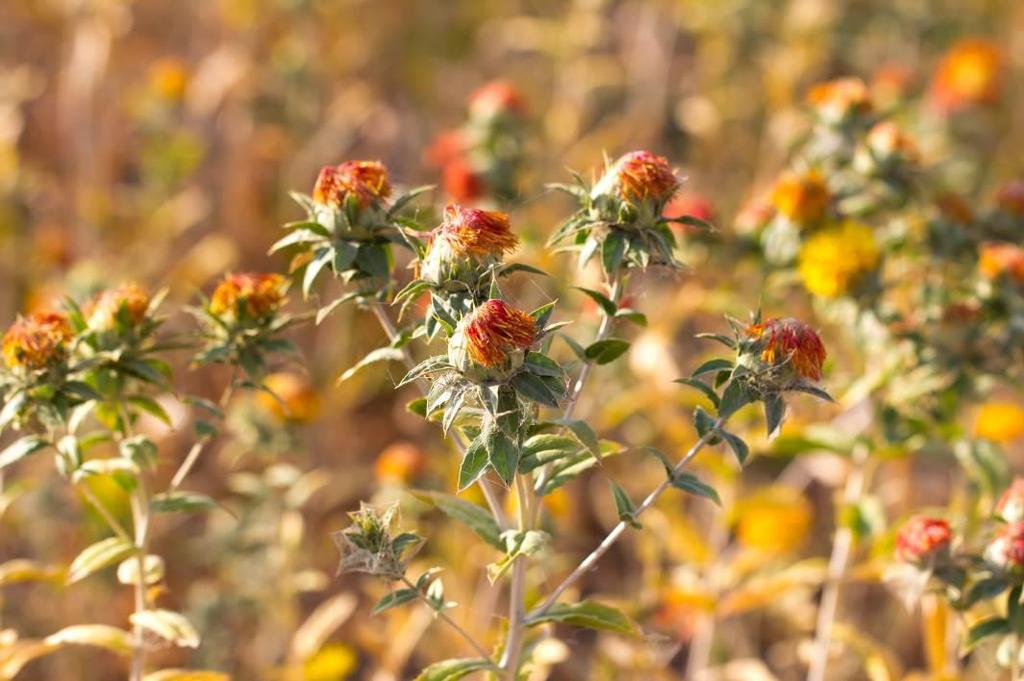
x=789, y=342
x=476, y=232
x=1006, y=550
x=969, y=75
x=366, y=180
x=1011, y=505
x=37, y=341
x=461, y=182
x=494, y=98
x=637, y=176
x=840, y=99
x=922, y=538
x=129, y=302
x=1010, y=197
x=249, y=294
x=491, y=334
x=446, y=148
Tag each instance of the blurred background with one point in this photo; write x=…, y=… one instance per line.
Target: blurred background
x=156, y=141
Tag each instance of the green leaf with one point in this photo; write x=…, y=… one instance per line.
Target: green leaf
x=385, y=354
x=393, y=600
x=532, y=388
x=607, y=350
x=98, y=556
x=322, y=258
x=428, y=366
x=734, y=397
x=612, y=249
x=986, y=589
x=372, y=258
x=542, y=365
x=469, y=514
x=299, y=236
x=474, y=463
x=151, y=407
x=517, y=543
x=638, y=318
x=713, y=365
x=502, y=453
x=701, y=386
x=624, y=505
x=774, y=414
x=589, y=614
x=738, y=446
x=694, y=222
x=405, y=198
x=688, y=482
x=453, y=670
x=520, y=267
x=982, y=630
x=584, y=433
x=344, y=255
x=543, y=313
x=20, y=449
x=606, y=304
x=185, y=502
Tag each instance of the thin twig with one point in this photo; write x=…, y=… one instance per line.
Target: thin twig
x=841, y=548
x=517, y=591
x=449, y=621
x=197, y=448
x=613, y=536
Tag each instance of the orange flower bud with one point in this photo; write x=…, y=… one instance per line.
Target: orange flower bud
x=968, y=75
x=496, y=97
x=250, y=294
x=922, y=538
x=37, y=341
x=128, y=302
x=789, y=342
x=467, y=239
x=637, y=176
x=841, y=99
x=492, y=336
x=461, y=182
x=366, y=180
x=801, y=198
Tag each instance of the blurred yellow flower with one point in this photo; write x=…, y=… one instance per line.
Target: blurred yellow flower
x=334, y=662
x=773, y=520
x=832, y=262
x=168, y=77
x=999, y=421
x=293, y=398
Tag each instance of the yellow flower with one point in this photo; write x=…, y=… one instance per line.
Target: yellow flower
x=833, y=261
x=333, y=662
x=774, y=520
x=169, y=77
x=999, y=421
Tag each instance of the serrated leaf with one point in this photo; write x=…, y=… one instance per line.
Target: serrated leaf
x=171, y=626
x=474, y=463
x=502, y=453
x=428, y=366
x=589, y=614
x=20, y=449
x=612, y=249
x=469, y=514
x=453, y=670
x=98, y=556
x=533, y=388
x=584, y=433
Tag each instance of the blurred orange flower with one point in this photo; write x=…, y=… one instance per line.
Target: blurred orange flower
x=999, y=421
x=366, y=180
x=168, y=77
x=837, y=100
x=294, y=398
x=495, y=97
x=128, y=301
x=774, y=520
x=921, y=538
x=996, y=258
x=639, y=175
x=1010, y=197
x=36, y=341
x=802, y=198
x=252, y=294
x=399, y=463
x=968, y=75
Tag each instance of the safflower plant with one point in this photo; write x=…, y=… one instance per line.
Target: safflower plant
x=80, y=383
x=500, y=393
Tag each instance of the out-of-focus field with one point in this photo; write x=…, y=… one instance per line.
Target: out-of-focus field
x=156, y=141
